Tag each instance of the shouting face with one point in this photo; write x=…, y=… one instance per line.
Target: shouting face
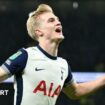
x=50, y=27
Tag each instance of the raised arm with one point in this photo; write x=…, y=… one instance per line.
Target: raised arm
x=78, y=90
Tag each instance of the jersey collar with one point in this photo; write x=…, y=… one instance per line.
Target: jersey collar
x=45, y=53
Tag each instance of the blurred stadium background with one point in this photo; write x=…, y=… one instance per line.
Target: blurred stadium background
x=84, y=46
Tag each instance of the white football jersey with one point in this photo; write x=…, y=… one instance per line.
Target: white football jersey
x=39, y=77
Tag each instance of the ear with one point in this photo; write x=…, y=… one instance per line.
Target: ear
x=38, y=33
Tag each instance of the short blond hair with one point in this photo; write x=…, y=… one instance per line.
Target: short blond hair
x=33, y=22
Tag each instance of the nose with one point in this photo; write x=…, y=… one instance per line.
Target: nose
x=58, y=22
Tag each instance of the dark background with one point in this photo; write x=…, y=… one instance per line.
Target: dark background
x=84, y=45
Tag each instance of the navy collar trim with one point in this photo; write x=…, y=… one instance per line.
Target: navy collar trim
x=45, y=53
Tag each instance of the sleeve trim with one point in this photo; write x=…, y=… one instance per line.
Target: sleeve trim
x=6, y=69
x=69, y=83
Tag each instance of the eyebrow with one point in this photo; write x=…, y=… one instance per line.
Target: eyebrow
x=53, y=18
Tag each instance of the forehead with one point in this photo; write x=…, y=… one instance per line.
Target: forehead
x=46, y=16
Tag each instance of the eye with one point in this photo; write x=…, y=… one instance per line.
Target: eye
x=51, y=20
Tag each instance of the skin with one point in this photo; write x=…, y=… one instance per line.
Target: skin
x=49, y=40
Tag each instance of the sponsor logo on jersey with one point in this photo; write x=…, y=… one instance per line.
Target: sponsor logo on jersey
x=14, y=56
x=50, y=91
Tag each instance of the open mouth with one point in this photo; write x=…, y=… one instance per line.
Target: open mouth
x=58, y=30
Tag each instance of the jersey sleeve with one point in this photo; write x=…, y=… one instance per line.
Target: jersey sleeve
x=15, y=63
x=69, y=78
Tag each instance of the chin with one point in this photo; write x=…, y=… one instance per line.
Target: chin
x=60, y=39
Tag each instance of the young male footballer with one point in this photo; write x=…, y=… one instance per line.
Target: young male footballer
x=40, y=75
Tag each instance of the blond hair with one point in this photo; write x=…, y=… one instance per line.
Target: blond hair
x=33, y=22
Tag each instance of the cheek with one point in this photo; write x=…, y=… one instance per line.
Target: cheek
x=50, y=30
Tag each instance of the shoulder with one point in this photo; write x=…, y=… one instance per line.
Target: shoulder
x=34, y=53
x=20, y=54
x=16, y=62
x=31, y=50
x=62, y=60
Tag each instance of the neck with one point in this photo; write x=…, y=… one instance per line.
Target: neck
x=50, y=48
